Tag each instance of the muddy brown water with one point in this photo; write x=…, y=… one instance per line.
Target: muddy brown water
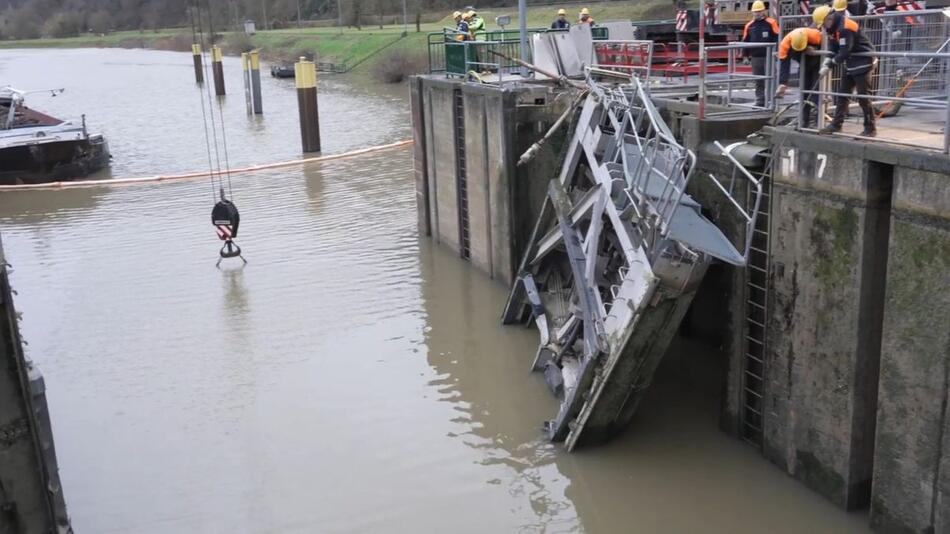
x=352, y=377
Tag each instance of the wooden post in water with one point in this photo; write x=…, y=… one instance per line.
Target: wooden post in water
x=217, y=69
x=199, y=68
x=255, y=59
x=306, y=77
x=245, y=69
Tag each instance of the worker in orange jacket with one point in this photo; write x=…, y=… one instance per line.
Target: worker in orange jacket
x=761, y=29
x=846, y=41
x=801, y=45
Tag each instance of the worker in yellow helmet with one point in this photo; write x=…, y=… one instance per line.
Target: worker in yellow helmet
x=802, y=45
x=761, y=29
x=848, y=44
x=461, y=26
x=585, y=18
x=476, y=25
x=561, y=23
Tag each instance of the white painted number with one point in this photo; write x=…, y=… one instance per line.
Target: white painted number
x=822, y=161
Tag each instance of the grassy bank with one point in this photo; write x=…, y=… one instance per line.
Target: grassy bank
x=367, y=47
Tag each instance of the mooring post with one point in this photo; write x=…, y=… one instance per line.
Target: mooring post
x=217, y=69
x=199, y=69
x=255, y=60
x=306, y=76
x=245, y=70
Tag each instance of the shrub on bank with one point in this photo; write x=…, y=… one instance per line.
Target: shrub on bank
x=397, y=65
x=238, y=42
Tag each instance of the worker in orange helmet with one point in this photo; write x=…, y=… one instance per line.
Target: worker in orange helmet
x=761, y=29
x=801, y=44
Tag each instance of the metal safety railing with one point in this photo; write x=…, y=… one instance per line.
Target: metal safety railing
x=479, y=58
x=737, y=77
x=908, y=31
x=634, y=58
x=437, y=43
x=935, y=103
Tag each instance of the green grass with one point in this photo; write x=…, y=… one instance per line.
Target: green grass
x=95, y=41
x=350, y=45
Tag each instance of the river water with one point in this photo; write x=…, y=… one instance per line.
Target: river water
x=352, y=377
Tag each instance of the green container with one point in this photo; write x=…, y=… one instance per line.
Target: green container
x=455, y=57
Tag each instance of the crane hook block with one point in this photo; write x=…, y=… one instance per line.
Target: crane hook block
x=225, y=218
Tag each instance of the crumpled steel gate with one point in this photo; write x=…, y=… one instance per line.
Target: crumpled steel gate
x=614, y=261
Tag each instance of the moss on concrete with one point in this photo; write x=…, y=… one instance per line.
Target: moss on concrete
x=834, y=235
x=818, y=476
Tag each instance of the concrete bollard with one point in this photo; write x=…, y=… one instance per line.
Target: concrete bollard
x=306, y=77
x=217, y=69
x=255, y=60
x=199, y=68
x=245, y=69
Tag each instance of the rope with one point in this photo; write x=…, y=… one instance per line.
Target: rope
x=199, y=174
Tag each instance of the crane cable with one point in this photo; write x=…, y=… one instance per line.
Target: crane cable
x=192, y=11
x=224, y=214
x=224, y=135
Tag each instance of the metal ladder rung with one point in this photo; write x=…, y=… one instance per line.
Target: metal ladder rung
x=753, y=375
x=753, y=392
x=753, y=410
x=756, y=358
x=754, y=322
x=753, y=427
x=750, y=266
x=756, y=304
x=750, y=284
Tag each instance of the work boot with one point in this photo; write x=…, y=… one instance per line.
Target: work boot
x=869, y=129
x=831, y=128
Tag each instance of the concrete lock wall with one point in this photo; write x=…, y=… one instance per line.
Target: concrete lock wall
x=31, y=499
x=859, y=359
x=824, y=326
x=502, y=200
x=911, y=469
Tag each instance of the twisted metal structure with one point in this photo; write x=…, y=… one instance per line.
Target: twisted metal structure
x=614, y=260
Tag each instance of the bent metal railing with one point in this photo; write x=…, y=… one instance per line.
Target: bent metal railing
x=657, y=168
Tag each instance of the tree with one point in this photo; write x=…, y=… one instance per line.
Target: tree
x=63, y=24
x=100, y=21
x=24, y=23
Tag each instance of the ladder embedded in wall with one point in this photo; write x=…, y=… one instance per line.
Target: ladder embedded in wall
x=757, y=291
x=461, y=180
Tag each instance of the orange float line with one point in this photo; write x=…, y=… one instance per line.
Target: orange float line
x=203, y=174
